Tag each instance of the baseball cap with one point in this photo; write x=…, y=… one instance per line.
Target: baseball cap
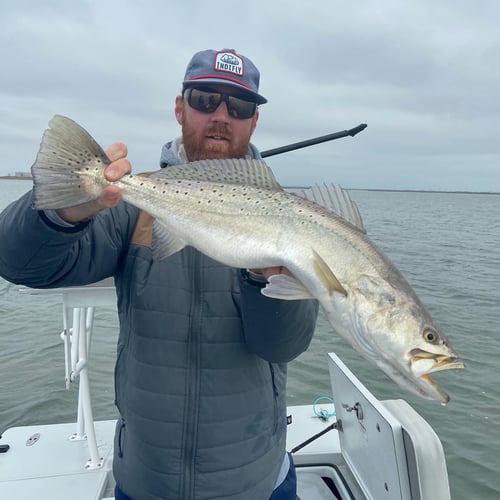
x=224, y=67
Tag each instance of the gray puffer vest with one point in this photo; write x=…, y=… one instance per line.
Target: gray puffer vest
x=201, y=415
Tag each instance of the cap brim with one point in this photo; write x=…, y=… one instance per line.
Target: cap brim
x=256, y=97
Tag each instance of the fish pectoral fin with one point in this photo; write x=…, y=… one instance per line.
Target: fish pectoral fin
x=326, y=275
x=164, y=243
x=284, y=287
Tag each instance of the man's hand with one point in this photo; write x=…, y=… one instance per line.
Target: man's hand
x=110, y=195
x=270, y=271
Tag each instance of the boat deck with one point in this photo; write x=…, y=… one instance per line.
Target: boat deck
x=49, y=459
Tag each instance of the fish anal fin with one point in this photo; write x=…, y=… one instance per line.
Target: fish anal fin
x=326, y=275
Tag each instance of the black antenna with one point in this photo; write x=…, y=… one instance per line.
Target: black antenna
x=311, y=142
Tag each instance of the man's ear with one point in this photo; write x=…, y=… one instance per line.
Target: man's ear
x=179, y=108
x=255, y=120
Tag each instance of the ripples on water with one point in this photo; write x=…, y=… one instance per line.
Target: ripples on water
x=446, y=245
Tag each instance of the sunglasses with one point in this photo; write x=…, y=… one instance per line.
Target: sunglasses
x=207, y=101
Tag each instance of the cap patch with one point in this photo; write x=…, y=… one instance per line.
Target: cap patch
x=229, y=62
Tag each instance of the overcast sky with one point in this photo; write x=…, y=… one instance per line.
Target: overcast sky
x=423, y=74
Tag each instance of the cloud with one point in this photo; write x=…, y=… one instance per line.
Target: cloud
x=423, y=75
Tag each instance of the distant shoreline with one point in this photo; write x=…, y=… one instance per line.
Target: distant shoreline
x=422, y=191
x=16, y=177
x=24, y=178
x=387, y=190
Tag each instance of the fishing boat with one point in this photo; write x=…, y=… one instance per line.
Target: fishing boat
x=349, y=446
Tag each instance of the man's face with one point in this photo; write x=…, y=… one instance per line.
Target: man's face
x=214, y=135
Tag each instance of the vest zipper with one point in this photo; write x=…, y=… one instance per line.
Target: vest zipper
x=192, y=403
x=275, y=398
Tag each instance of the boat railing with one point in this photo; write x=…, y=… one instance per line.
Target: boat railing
x=78, y=304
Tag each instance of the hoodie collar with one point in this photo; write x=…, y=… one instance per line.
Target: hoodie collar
x=173, y=153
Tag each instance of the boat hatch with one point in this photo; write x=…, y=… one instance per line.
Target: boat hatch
x=392, y=451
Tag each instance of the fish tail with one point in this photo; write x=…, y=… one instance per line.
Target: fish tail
x=69, y=167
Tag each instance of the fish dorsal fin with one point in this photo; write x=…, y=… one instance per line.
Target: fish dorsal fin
x=326, y=276
x=337, y=200
x=164, y=244
x=255, y=173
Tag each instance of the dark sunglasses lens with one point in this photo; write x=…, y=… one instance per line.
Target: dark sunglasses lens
x=239, y=108
x=208, y=102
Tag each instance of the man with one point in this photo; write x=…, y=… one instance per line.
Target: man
x=200, y=374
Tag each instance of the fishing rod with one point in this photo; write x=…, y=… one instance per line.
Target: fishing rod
x=331, y=427
x=311, y=142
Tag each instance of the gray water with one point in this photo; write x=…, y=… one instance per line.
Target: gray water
x=448, y=247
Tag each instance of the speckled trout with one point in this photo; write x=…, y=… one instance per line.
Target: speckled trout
x=236, y=212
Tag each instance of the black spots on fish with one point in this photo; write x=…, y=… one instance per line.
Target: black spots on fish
x=89, y=157
x=302, y=221
x=82, y=161
x=310, y=213
x=217, y=191
x=185, y=193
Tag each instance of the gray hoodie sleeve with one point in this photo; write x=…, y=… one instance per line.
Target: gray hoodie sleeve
x=276, y=330
x=36, y=252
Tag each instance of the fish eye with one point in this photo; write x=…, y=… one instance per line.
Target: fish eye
x=430, y=336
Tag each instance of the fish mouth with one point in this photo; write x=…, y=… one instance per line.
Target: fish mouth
x=422, y=363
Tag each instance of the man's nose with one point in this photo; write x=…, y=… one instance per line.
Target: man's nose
x=221, y=114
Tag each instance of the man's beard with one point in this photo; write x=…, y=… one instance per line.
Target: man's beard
x=197, y=147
